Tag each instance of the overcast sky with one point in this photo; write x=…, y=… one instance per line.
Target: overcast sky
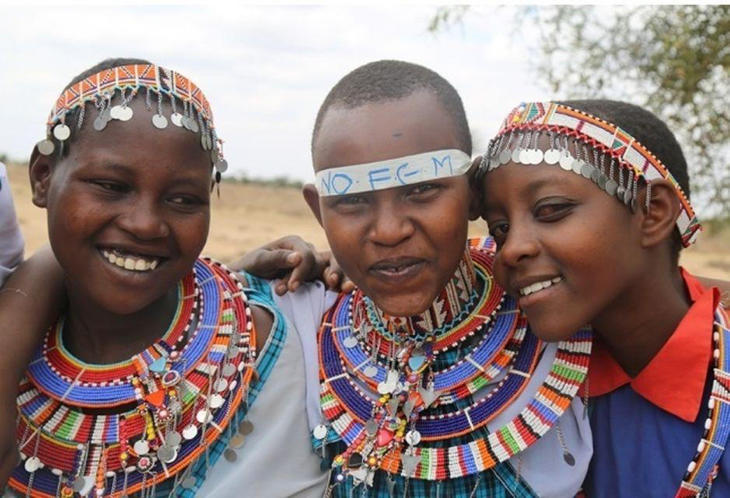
x=265, y=70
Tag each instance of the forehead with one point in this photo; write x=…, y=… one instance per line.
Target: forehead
x=138, y=143
x=383, y=130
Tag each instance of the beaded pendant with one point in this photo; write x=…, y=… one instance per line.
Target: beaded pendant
x=113, y=430
x=378, y=394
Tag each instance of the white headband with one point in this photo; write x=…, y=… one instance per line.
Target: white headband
x=391, y=173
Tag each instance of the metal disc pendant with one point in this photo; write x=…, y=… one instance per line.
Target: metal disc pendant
x=370, y=371
x=61, y=132
x=46, y=147
x=228, y=369
x=569, y=458
x=566, y=161
x=203, y=416
x=385, y=387
x=99, y=123
x=173, y=438
x=505, y=156
x=114, y=112
x=230, y=455
x=189, y=482
x=220, y=385
x=611, y=187
x=216, y=401
x=32, y=464
x=194, y=126
x=627, y=196
x=371, y=426
x=587, y=170
x=79, y=484
x=189, y=432
x=413, y=437
x=245, y=427
x=516, y=156
x=350, y=342
x=176, y=119
x=552, y=156
x=125, y=114
x=141, y=447
x=525, y=156
x=320, y=432
x=237, y=440
x=577, y=167
x=167, y=454
x=537, y=156
x=159, y=121
x=620, y=192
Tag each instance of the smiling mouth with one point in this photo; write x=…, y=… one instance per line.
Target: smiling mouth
x=130, y=261
x=538, y=286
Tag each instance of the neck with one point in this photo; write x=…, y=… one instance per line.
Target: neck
x=456, y=297
x=98, y=336
x=637, y=326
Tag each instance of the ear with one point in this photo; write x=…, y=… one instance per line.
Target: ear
x=659, y=214
x=475, y=189
x=39, y=173
x=311, y=196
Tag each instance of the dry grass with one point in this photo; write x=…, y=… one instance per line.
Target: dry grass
x=247, y=216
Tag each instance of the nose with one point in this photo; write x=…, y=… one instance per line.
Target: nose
x=142, y=218
x=519, y=245
x=391, y=225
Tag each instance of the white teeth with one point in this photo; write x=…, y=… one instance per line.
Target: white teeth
x=128, y=262
x=538, y=286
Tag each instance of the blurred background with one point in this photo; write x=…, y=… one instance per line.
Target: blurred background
x=266, y=70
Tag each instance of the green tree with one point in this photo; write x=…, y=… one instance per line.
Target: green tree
x=673, y=60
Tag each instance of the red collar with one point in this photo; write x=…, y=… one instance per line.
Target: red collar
x=674, y=380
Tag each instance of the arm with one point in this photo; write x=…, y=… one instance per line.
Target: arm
x=29, y=302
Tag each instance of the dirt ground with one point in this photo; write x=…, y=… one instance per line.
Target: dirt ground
x=247, y=216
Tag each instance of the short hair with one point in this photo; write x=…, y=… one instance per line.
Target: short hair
x=650, y=131
x=387, y=80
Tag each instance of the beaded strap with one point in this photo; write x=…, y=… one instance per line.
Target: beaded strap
x=702, y=470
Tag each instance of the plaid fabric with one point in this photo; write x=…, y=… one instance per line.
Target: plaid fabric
x=259, y=294
x=500, y=481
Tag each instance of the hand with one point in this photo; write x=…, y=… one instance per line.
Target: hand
x=291, y=260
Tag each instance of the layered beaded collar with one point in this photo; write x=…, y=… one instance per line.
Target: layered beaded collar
x=122, y=428
x=397, y=412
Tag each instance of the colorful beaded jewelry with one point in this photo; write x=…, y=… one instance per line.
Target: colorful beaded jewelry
x=601, y=152
x=122, y=428
x=379, y=400
x=125, y=82
x=702, y=470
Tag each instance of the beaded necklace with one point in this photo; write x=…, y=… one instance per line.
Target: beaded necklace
x=702, y=470
x=377, y=399
x=121, y=428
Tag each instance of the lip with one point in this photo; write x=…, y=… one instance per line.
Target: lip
x=534, y=289
x=397, y=270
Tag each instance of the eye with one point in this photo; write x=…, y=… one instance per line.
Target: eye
x=186, y=201
x=552, y=211
x=498, y=230
x=423, y=189
x=111, y=186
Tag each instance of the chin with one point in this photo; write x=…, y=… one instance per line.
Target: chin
x=552, y=330
x=407, y=305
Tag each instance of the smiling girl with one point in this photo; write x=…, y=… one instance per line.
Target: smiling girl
x=588, y=202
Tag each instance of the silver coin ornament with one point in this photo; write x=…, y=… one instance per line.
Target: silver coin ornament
x=230, y=455
x=125, y=113
x=114, y=111
x=222, y=165
x=228, y=369
x=46, y=147
x=159, y=121
x=569, y=458
x=220, y=385
x=505, y=156
x=167, y=454
x=515, y=156
x=537, y=156
x=524, y=156
x=350, y=342
x=320, y=431
x=552, y=156
x=61, y=132
x=370, y=371
x=566, y=161
x=189, y=482
x=32, y=464
x=627, y=196
x=620, y=192
x=245, y=427
x=78, y=484
x=194, y=126
x=371, y=426
x=611, y=187
x=413, y=437
x=100, y=123
x=173, y=438
x=586, y=170
x=204, y=416
x=141, y=447
x=176, y=118
x=189, y=432
x=237, y=440
x=216, y=401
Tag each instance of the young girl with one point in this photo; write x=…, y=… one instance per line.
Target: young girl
x=588, y=202
x=146, y=380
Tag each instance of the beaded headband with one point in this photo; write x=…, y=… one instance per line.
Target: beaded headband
x=391, y=173
x=126, y=81
x=616, y=164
